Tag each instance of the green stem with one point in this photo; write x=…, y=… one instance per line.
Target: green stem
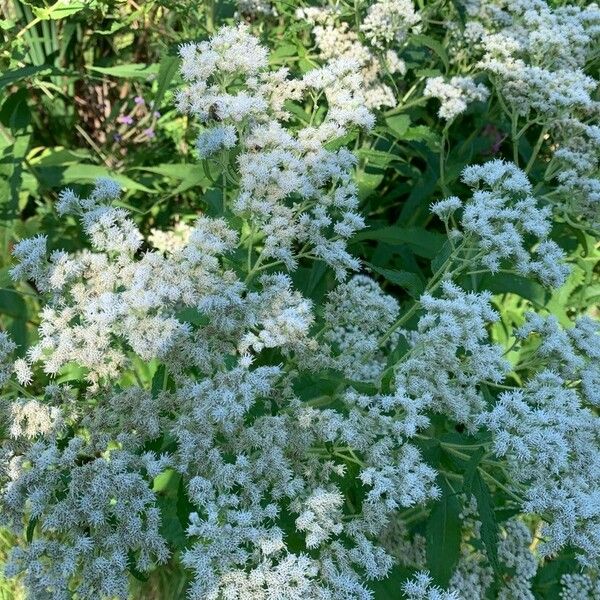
x=536, y=149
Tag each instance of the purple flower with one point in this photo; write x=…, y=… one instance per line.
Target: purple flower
x=156, y=114
x=125, y=119
x=149, y=132
x=138, y=100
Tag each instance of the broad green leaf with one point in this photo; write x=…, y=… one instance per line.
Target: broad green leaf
x=159, y=381
x=485, y=506
x=405, y=279
x=16, y=115
x=283, y=51
x=422, y=133
x=131, y=565
x=390, y=587
x=422, y=242
x=31, y=529
x=502, y=283
x=398, y=124
x=376, y=157
x=343, y=140
x=443, y=535
x=367, y=183
x=12, y=304
x=57, y=156
x=546, y=583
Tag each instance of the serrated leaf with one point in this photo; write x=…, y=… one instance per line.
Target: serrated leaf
x=133, y=569
x=438, y=262
x=443, y=535
x=367, y=183
x=57, y=176
x=376, y=157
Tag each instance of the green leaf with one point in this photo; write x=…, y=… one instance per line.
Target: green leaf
x=422, y=242
x=17, y=74
x=434, y=45
x=422, y=133
x=15, y=115
x=367, y=183
x=12, y=304
x=130, y=71
x=443, y=535
x=159, y=381
x=59, y=10
x=167, y=70
x=57, y=176
x=192, y=316
x=376, y=157
x=389, y=587
x=489, y=526
x=31, y=529
x=546, y=584
x=133, y=569
x=398, y=124
x=404, y=279
x=502, y=283
x=442, y=256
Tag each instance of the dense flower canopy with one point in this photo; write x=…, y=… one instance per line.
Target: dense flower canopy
x=247, y=397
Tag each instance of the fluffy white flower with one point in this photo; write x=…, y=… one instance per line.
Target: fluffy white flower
x=454, y=95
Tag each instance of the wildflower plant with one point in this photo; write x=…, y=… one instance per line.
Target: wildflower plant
x=360, y=359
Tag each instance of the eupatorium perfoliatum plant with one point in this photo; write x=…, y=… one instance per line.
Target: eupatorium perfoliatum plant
x=248, y=399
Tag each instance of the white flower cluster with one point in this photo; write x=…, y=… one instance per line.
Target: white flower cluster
x=390, y=21
x=421, y=588
x=577, y=161
x=452, y=335
x=579, y=586
x=573, y=353
x=291, y=188
x=94, y=514
x=252, y=454
x=536, y=56
x=499, y=218
x=357, y=314
x=336, y=39
x=172, y=239
x=454, y=95
x=550, y=443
